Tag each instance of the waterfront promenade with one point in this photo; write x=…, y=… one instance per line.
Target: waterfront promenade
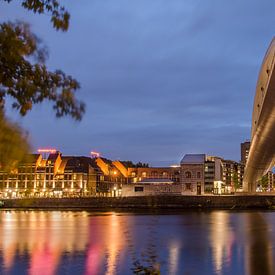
x=262, y=201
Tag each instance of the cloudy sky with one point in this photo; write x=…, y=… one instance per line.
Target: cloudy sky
x=159, y=78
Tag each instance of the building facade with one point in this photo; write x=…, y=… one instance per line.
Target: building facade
x=192, y=174
x=213, y=175
x=50, y=174
x=54, y=175
x=136, y=174
x=245, y=146
x=152, y=187
x=232, y=176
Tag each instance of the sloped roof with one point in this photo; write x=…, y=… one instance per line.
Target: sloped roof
x=30, y=158
x=193, y=159
x=78, y=164
x=53, y=156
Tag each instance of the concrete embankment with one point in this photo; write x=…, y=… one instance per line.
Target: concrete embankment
x=152, y=202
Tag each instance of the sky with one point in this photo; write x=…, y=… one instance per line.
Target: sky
x=159, y=78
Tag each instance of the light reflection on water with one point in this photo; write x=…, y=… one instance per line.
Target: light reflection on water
x=67, y=242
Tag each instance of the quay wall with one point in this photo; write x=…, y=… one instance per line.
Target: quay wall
x=146, y=202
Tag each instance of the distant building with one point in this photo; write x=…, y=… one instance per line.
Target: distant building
x=245, y=147
x=54, y=175
x=141, y=173
x=213, y=175
x=152, y=187
x=232, y=175
x=111, y=178
x=192, y=174
x=219, y=176
x=266, y=183
x=271, y=181
x=49, y=176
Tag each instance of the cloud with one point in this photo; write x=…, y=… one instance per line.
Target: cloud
x=160, y=78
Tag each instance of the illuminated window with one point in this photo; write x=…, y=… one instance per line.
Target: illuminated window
x=154, y=174
x=188, y=185
x=139, y=188
x=143, y=174
x=188, y=175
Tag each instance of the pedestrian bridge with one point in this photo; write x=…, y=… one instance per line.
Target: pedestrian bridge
x=261, y=156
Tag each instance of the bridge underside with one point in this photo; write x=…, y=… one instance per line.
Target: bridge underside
x=262, y=151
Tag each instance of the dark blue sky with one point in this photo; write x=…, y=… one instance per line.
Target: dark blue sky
x=159, y=78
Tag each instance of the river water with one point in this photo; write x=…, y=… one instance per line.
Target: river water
x=80, y=242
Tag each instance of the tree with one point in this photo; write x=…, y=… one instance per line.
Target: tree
x=264, y=181
x=141, y=165
x=13, y=144
x=24, y=77
x=236, y=181
x=59, y=15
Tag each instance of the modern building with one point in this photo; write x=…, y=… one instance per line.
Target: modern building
x=232, y=176
x=245, y=146
x=266, y=183
x=192, y=174
x=152, y=187
x=213, y=175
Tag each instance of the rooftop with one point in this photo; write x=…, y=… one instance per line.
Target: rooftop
x=193, y=159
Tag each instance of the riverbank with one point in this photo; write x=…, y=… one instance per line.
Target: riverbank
x=148, y=202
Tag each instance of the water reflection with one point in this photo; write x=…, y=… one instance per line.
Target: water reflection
x=174, y=250
x=56, y=242
x=114, y=241
x=222, y=239
x=43, y=235
x=259, y=249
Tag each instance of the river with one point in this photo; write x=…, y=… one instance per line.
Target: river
x=182, y=242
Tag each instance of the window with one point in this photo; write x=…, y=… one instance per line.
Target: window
x=143, y=174
x=188, y=175
x=139, y=188
x=198, y=175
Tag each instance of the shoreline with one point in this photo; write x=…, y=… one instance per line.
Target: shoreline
x=227, y=202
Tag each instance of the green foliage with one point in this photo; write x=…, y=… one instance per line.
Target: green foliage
x=29, y=83
x=13, y=144
x=145, y=270
x=141, y=165
x=264, y=181
x=130, y=164
x=25, y=78
x=59, y=16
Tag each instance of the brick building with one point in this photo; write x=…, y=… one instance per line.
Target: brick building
x=192, y=174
